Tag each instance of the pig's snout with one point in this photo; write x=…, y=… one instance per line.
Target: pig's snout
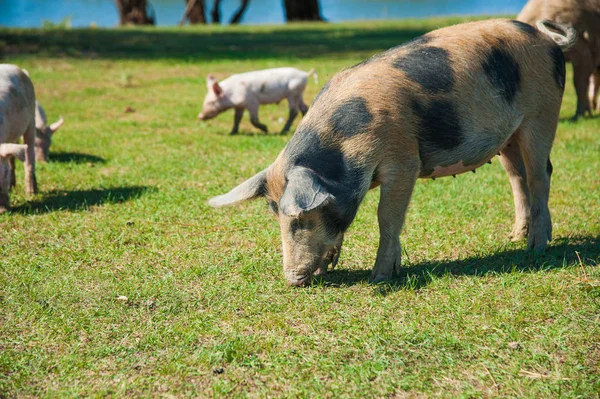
x=202, y=117
x=300, y=279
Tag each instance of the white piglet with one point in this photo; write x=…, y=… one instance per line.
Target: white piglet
x=251, y=89
x=17, y=119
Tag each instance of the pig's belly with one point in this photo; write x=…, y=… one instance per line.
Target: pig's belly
x=461, y=160
x=455, y=169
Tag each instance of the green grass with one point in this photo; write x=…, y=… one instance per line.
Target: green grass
x=122, y=212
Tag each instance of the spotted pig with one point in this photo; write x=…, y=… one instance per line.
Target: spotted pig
x=442, y=104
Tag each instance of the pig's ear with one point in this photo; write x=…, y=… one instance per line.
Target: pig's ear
x=303, y=192
x=13, y=150
x=54, y=127
x=217, y=89
x=213, y=85
x=250, y=189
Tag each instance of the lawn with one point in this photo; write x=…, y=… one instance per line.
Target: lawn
x=118, y=279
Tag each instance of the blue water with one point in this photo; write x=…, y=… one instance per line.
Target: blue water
x=31, y=13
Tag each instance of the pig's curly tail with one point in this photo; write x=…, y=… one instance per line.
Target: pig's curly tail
x=564, y=35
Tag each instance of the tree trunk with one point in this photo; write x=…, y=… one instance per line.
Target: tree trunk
x=237, y=17
x=302, y=10
x=135, y=12
x=216, y=12
x=195, y=12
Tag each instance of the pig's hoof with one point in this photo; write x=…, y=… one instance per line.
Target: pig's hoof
x=539, y=242
x=3, y=209
x=233, y=132
x=379, y=279
x=538, y=247
x=519, y=233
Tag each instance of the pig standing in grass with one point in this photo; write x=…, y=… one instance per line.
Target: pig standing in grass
x=584, y=16
x=43, y=137
x=442, y=104
x=17, y=119
x=249, y=90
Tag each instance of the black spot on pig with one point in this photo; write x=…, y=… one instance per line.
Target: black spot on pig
x=549, y=168
x=525, y=28
x=337, y=219
x=558, y=61
x=430, y=67
x=339, y=175
x=503, y=72
x=438, y=126
x=305, y=149
x=300, y=224
x=351, y=118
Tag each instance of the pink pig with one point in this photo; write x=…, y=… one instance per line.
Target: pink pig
x=250, y=89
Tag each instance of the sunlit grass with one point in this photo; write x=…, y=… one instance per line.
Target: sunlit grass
x=122, y=213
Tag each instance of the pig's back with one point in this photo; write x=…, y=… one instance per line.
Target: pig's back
x=458, y=92
x=268, y=75
x=17, y=102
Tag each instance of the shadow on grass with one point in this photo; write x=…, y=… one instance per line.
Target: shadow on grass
x=81, y=200
x=562, y=252
x=75, y=157
x=210, y=44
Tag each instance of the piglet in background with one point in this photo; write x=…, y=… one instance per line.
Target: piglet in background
x=251, y=89
x=44, y=133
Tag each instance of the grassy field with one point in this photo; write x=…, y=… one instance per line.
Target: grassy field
x=122, y=212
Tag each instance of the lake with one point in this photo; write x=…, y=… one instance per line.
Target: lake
x=31, y=13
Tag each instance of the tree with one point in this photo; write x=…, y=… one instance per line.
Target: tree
x=194, y=11
x=216, y=12
x=237, y=17
x=302, y=10
x=135, y=12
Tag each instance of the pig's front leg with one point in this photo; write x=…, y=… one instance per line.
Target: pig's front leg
x=13, y=178
x=30, y=180
x=237, y=118
x=393, y=203
x=253, y=110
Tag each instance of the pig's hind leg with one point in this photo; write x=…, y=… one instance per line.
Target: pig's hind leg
x=13, y=177
x=293, y=105
x=512, y=161
x=583, y=68
x=29, y=140
x=535, y=139
x=303, y=107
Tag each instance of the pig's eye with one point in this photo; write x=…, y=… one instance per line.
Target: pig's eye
x=273, y=207
x=300, y=224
